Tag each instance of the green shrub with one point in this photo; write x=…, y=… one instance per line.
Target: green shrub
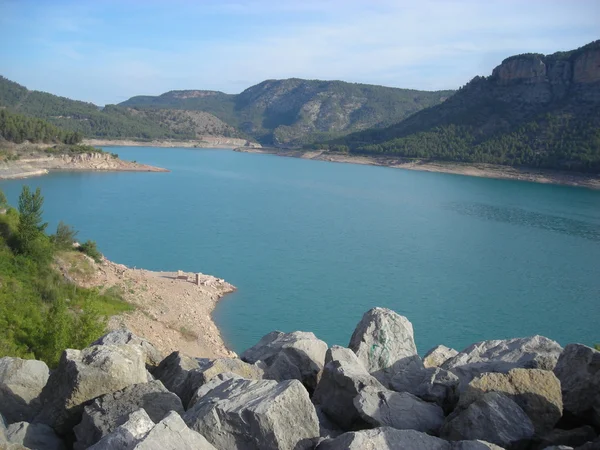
x=597, y=347
x=64, y=237
x=90, y=249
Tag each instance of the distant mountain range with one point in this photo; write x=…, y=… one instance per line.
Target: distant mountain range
x=294, y=112
x=533, y=110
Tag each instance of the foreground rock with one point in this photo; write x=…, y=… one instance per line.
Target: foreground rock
x=536, y=391
x=402, y=411
x=110, y=411
x=35, y=436
x=140, y=433
x=438, y=356
x=431, y=384
x=384, y=342
x=290, y=356
x=123, y=336
x=386, y=438
x=344, y=377
x=83, y=375
x=173, y=372
x=256, y=414
x=578, y=370
x=493, y=418
x=535, y=352
x=571, y=438
x=21, y=383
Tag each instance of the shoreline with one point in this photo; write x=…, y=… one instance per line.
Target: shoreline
x=205, y=142
x=171, y=312
x=544, y=176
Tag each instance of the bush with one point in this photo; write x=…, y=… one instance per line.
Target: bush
x=64, y=237
x=90, y=249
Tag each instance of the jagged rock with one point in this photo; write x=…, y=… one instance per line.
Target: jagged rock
x=384, y=342
x=110, y=411
x=123, y=336
x=126, y=436
x=198, y=377
x=535, y=352
x=343, y=378
x=256, y=414
x=327, y=429
x=173, y=372
x=493, y=418
x=536, y=391
x=571, y=438
x=431, y=384
x=475, y=445
x=83, y=375
x=299, y=355
x=399, y=410
x=438, y=356
x=21, y=383
x=2, y=429
x=35, y=436
x=213, y=383
x=578, y=370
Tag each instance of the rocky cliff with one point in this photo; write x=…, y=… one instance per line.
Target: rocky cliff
x=291, y=391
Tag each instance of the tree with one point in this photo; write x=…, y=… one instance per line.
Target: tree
x=65, y=236
x=3, y=201
x=31, y=228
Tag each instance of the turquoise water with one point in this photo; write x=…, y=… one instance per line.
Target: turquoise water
x=313, y=245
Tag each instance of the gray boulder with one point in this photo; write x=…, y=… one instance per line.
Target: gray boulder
x=123, y=336
x=209, y=386
x=343, y=378
x=535, y=352
x=21, y=383
x=475, y=445
x=536, y=391
x=431, y=384
x=256, y=414
x=399, y=410
x=571, y=438
x=578, y=370
x=2, y=429
x=327, y=429
x=173, y=371
x=110, y=411
x=384, y=342
x=140, y=433
x=385, y=438
x=35, y=436
x=438, y=356
x=299, y=355
x=493, y=418
x=198, y=377
x=83, y=375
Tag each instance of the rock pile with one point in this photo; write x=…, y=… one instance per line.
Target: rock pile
x=291, y=392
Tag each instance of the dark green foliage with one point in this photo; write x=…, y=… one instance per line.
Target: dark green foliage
x=3, y=201
x=64, y=237
x=90, y=249
x=41, y=313
x=30, y=236
x=19, y=128
x=597, y=347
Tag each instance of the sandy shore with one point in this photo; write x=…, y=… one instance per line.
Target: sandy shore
x=172, y=313
x=205, y=142
x=473, y=170
x=85, y=162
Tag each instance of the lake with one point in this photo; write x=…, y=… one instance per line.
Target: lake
x=312, y=245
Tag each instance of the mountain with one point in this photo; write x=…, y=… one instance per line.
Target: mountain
x=533, y=110
x=294, y=112
x=111, y=122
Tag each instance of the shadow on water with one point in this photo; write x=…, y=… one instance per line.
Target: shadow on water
x=522, y=217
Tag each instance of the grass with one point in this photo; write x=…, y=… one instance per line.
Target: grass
x=188, y=334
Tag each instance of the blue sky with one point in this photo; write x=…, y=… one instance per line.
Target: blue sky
x=106, y=51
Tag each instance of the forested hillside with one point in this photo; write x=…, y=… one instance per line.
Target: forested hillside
x=534, y=110
x=18, y=128
x=293, y=112
x=111, y=122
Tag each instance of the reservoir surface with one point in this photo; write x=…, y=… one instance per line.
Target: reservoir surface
x=312, y=245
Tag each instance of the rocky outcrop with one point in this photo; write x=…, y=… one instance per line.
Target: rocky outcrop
x=438, y=355
x=402, y=411
x=384, y=342
x=431, y=384
x=535, y=352
x=34, y=436
x=84, y=375
x=173, y=372
x=123, y=336
x=256, y=414
x=21, y=383
x=289, y=356
x=578, y=370
x=343, y=378
x=493, y=418
x=536, y=391
x=112, y=410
